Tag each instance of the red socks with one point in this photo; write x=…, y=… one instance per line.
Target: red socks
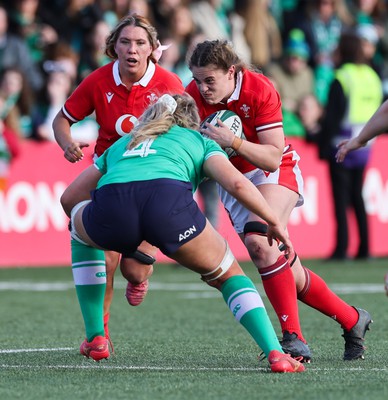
x=317, y=294
x=279, y=285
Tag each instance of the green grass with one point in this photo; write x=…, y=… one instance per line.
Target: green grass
x=182, y=343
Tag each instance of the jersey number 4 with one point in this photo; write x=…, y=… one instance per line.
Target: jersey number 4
x=143, y=149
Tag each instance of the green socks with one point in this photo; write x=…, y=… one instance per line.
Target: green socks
x=88, y=266
x=244, y=301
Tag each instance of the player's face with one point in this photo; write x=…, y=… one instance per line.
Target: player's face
x=133, y=49
x=215, y=85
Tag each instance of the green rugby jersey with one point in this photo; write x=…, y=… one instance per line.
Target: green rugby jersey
x=178, y=154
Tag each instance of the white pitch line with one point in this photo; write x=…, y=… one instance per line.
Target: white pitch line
x=9, y=351
x=152, y=368
x=194, y=288
x=148, y=368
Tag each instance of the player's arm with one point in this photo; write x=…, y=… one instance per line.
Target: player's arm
x=80, y=188
x=62, y=133
x=266, y=155
x=221, y=170
x=377, y=125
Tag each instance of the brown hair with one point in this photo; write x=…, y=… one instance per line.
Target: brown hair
x=349, y=49
x=131, y=20
x=219, y=53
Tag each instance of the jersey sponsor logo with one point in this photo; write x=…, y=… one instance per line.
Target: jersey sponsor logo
x=245, y=109
x=125, y=124
x=187, y=233
x=109, y=96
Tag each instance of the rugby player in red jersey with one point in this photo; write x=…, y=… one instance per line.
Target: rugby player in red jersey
x=118, y=93
x=223, y=81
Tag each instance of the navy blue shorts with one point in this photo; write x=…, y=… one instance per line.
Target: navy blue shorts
x=162, y=211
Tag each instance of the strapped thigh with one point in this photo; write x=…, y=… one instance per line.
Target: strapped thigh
x=222, y=268
x=73, y=231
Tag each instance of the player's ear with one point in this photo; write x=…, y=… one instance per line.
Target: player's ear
x=231, y=72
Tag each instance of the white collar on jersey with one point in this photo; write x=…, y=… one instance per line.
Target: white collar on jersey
x=143, y=81
x=236, y=93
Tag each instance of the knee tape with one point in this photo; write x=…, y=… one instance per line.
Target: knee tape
x=255, y=228
x=261, y=229
x=222, y=268
x=73, y=231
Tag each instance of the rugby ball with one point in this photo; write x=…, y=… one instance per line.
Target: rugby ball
x=231, y=120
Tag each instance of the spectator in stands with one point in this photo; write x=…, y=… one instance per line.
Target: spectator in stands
x=18, y=101
x=369, y=11
x=25, y=22
x=210, y=18
x=354, y=96
x=310, y=113
x=59, y=86
x=162, y=11
x=15, y=53
x=9, y=147
x=184, y=34
x=375, y=12
x=76, y=21
x=322, y=23
x=293, y=79
x=261, y=32
x=377, y=125
x=237, y=31
x=369, y=40
x=61, y=56
x=93, y=55
x=114, y=10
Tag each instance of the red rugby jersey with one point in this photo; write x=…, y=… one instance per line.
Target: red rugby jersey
x=255, y=100
x=114, y=105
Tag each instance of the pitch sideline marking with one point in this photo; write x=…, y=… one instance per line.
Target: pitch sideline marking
x=151, y=368
x=147, y=368
x=195, y=289
x=9, y=351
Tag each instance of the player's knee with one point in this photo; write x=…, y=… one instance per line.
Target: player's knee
x=254, y=233
x=112, y=261
x=259, y=250
x=135, y=272
x=255, y=228
x=66, y=203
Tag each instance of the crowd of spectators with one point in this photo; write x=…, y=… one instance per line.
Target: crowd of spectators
x=48, y=46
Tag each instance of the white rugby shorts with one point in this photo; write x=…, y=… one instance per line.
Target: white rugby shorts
x=288, y=175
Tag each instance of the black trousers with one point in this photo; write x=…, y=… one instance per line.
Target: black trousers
x=347, y=192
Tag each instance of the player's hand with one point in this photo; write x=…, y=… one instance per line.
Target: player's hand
x=220, y=134
x=345, y=146
x=73, y=152
x=278, y=233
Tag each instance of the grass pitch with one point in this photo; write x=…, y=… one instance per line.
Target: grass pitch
x=182, y=343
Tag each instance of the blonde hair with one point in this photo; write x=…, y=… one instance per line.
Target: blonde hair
x=157, y=119
x=131, y=20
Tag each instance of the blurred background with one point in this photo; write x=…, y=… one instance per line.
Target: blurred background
x=48, y=47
